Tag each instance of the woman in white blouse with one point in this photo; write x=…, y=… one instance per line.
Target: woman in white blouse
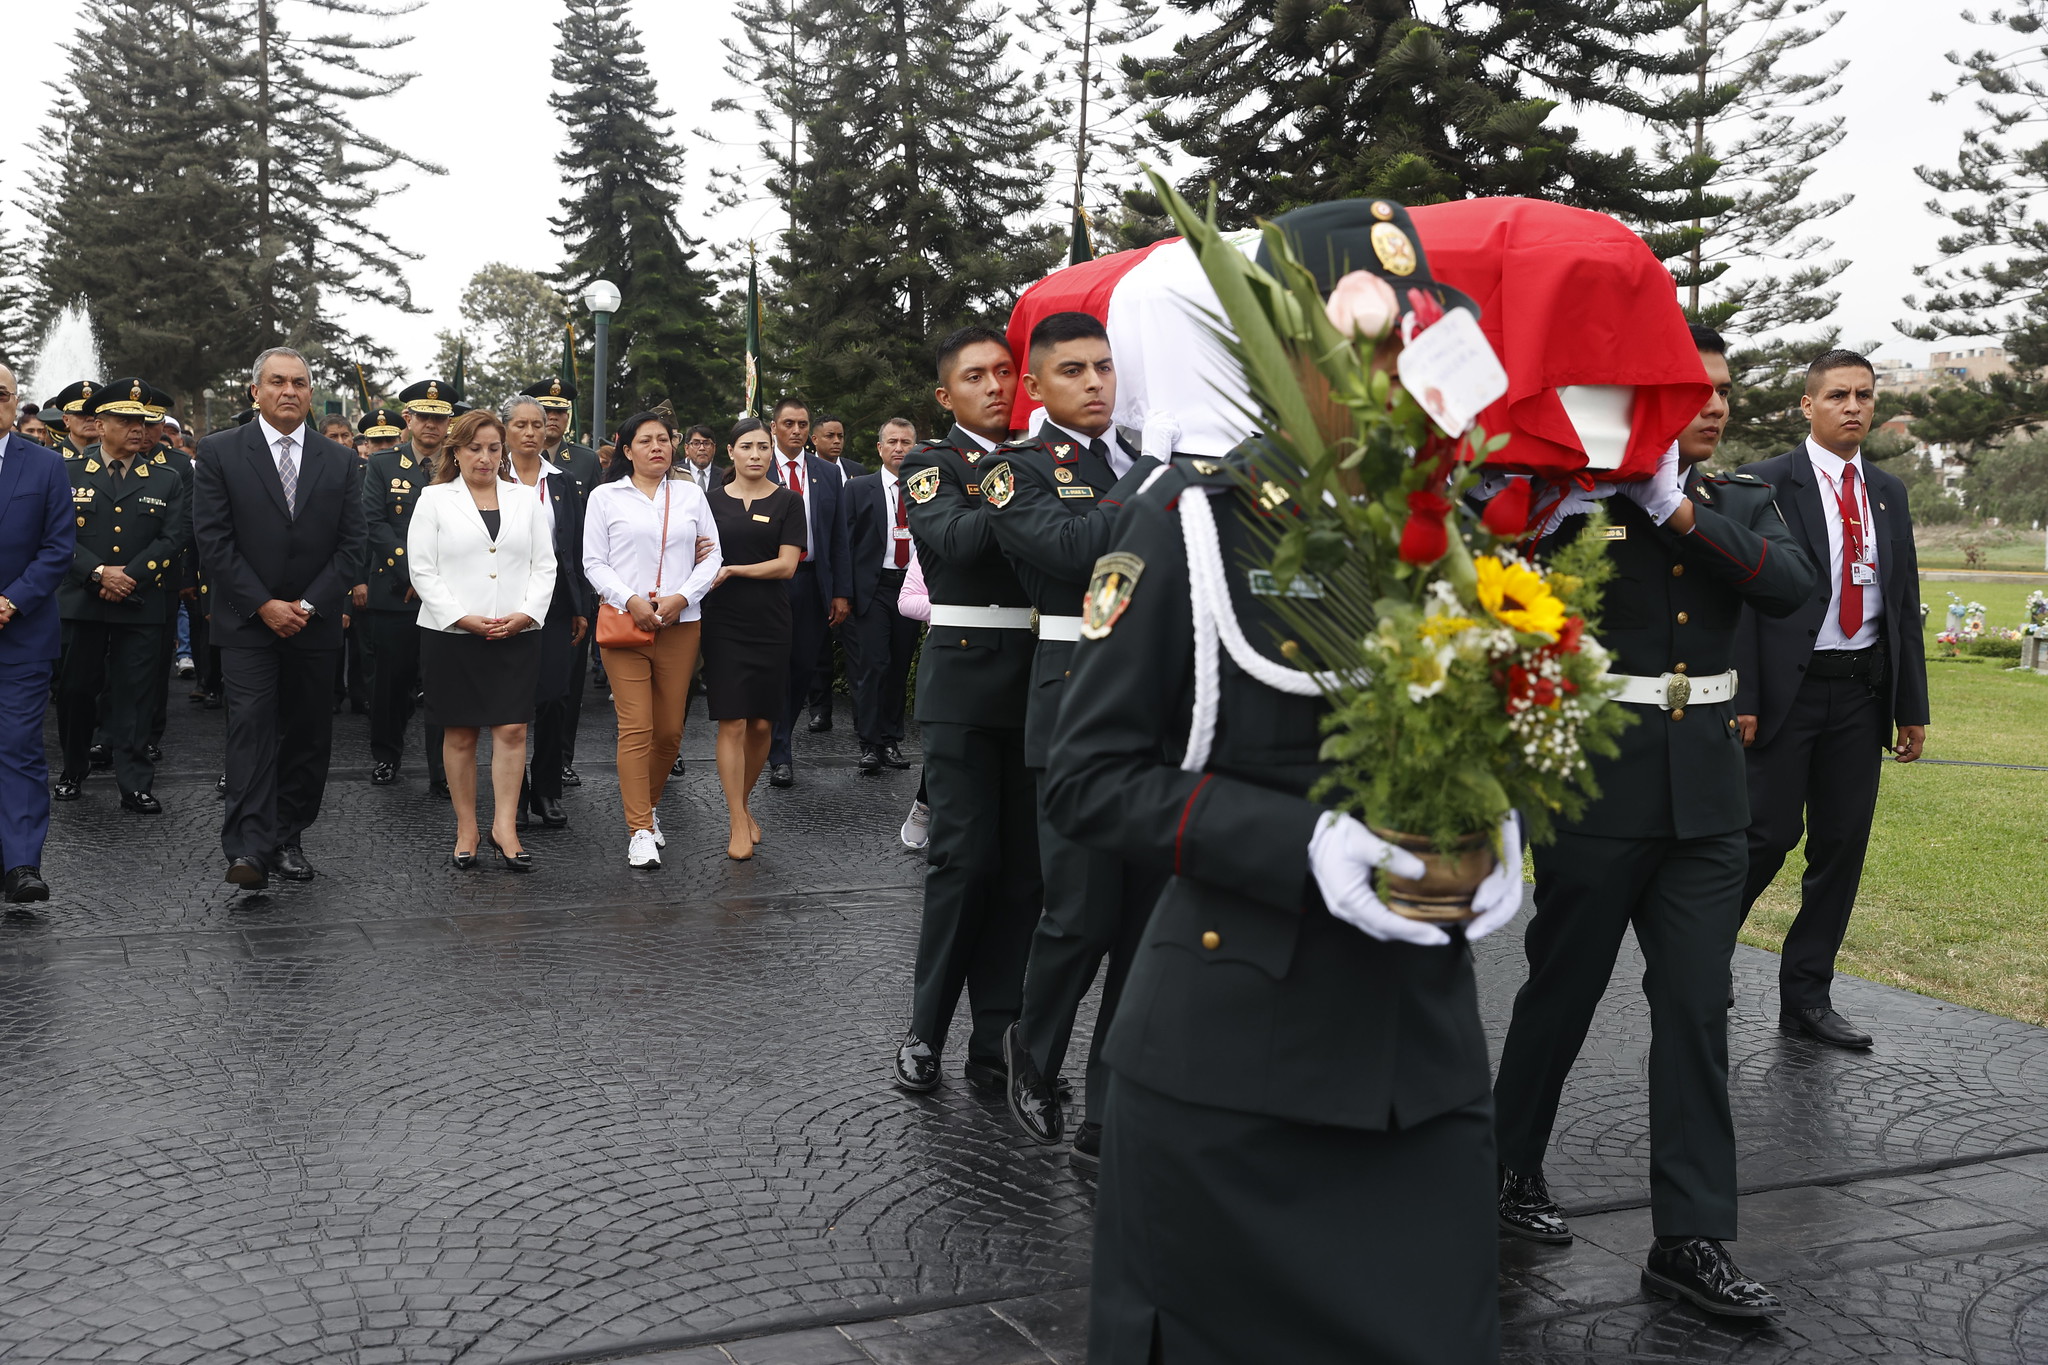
x=641, y=533
x=484, y=569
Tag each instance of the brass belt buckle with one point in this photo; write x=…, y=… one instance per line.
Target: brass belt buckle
x=1677, y=690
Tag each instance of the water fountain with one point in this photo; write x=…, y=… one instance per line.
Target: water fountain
x=69, y=351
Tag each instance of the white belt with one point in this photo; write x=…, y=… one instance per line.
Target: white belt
x=1673, y=690
x=982, y=618
x=1059, y=628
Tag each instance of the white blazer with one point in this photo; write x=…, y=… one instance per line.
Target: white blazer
x=458, y=570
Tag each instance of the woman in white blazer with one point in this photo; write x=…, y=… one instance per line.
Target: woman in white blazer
x=484, y=569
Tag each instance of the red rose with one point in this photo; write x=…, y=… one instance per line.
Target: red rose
x=1424, y=539
x=1507, y=512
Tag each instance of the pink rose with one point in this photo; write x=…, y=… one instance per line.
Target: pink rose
x=1363, y=306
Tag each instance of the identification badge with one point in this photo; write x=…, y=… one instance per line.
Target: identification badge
x=1614, y=533
x=899, y=533
x=1452, y=372
x=1077, y=491
x=759, y=517
x=1863, y=575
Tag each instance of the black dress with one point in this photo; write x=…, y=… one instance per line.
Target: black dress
x=747, y=620
x=471, y=681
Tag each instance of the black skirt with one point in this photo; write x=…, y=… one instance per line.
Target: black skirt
x=471, y=681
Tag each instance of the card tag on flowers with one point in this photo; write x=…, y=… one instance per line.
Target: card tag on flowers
x=1452, y=372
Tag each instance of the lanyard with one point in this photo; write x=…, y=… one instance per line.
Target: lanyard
x=1866, y=543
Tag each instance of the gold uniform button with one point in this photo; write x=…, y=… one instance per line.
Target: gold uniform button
x=1678, y=570
x=494, y=549
x=963, y=644
x=1731, y=725
x=1211, y=940
x=493, y=575
x=1678, y=668
x=117, y=529
x=1683, y=618
x=1679, y=714
x=116, y=549
x=399, y=550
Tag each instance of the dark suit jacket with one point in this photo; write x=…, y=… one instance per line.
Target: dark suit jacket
x=846, y=470
x=37, y=535
x=829, y=550
x=253, y=550
x=868, y=513
x=573, y=593
x=1772, y=655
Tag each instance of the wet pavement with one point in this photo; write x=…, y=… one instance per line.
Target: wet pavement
x=406, y=1113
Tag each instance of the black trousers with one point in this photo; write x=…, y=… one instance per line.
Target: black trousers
x=1096, y=906
x=1817, y=776
x=280, y=736
x=808, y=639
x=881, y=681
x=1682, y=896
x=846, y=636
x=572, y=705
x=394, y=683
x=160, y=685
x=116, y=661
x=982, y=891
x=351, y=665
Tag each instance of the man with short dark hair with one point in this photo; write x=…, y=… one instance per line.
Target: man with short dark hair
x=700, y=458
x=828, y=441
x=880, y=516
x=821, y=592
x=1827, y=691
x=392, y=483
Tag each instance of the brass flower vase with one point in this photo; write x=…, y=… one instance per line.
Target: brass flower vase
x=1443, y=893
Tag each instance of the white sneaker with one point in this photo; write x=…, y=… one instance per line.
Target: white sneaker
x=643, y=851
x=660, y=839
x=917, y=826
x=185, y=668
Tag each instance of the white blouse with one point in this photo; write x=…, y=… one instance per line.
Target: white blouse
x=622, y=541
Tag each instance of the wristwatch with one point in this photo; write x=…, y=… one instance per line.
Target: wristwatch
x=307, y=607
x=96, y=575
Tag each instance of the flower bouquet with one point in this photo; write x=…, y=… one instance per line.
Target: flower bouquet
x=1463, y=677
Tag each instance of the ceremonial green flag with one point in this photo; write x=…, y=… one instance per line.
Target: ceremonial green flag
x=363, y=388
x=568, y=376
x=1083, y=248
x=455, y=381
x=753, y=338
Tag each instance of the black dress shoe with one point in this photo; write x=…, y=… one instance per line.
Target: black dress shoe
x=384, y=774
x=1032, y=1102
x=464, y=861
x=248, y=873
x=569, y=777
x=892, y=757
x=1087, y=1154
x=66, y=789
x=220, y=786
x=212, y=701
x=438, y=786
x=154, y=751
x=1528, y=1211
x=870, y=761
x=1825, y=1026
x=142, y=803
x=985, y=1075
x=522, y=861
x=820, y=722
x=23, y=884
x=782, y=775
x=916, y=1067
x=292, y=864
x=550, y=812
x=675, y=769
x=100, y=756
x=1700, y=1271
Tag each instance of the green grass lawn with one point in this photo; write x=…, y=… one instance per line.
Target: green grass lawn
x=1999, y=547
x=1950, y=904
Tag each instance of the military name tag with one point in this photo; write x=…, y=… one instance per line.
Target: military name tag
x=1081, y=492
x=1263, y=584
x=999, y=485
x=153, y=502
x=1109, y=593
x=923, y=485
x=1614, y=533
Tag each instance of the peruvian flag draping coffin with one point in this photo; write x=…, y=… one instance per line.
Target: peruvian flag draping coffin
x=1571, y=300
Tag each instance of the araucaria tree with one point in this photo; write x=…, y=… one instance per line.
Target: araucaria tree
x=915, y=188
x=618, y=223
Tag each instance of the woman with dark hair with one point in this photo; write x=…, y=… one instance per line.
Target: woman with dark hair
x=483, y=564
x=747, y=622
x=640, y=532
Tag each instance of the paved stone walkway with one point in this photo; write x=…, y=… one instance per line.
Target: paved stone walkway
x=404, y=1113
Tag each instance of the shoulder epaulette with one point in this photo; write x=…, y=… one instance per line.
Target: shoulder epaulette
x=1204, y=469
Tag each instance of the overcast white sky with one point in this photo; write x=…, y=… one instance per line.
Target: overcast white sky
x=483, y=113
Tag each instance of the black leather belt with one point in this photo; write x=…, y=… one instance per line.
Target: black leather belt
x=1862, y=665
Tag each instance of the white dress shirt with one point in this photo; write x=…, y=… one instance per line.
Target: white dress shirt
x=540, y=491
x=704, y=478
x=892, y=495
x=1829, y=467
x=803, y=474
x=460, y=569
x=622, y=544
x=297, y=436
x=1120, y=460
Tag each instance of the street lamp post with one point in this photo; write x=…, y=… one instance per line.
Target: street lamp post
x=601, y=297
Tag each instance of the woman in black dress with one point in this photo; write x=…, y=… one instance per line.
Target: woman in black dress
x=747, y=622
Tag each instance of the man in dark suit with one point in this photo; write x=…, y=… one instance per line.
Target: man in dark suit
x=700, y=459
x=37, y=537
x=880, y=515
x=821, y=592
x=557, y=399
x=1829, y=689
x=828, y=442
x=278, y=513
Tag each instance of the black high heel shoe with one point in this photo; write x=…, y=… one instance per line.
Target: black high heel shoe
x=463, y=861
x=522, y=861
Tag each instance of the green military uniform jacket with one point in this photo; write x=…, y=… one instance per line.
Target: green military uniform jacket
x=581, y=463
x=1672, y=607
x=1053, y=507
x=1246, y=993
x=185, y=571
x=140, y=528
x=392, y=482
x=966, y=675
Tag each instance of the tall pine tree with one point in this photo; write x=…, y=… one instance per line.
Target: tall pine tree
x=1299, y=101
x=1102, y=128
x=624, y=172
x=915, y=189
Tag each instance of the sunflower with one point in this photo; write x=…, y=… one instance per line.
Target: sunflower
x=1518, y=597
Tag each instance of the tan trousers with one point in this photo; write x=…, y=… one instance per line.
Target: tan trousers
x=650, y=691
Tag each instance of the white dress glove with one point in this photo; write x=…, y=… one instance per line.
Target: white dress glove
x=1660, y=494
x=1343, y=854
x=1499, y=897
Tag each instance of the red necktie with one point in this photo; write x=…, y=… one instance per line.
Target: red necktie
x=796, y=483
x=1851, y=510
x=902, y=524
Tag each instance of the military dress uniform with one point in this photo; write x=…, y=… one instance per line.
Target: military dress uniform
x=392, y=482
x=1054, y=501
x=138, y=522
x=1661, y=849
x=983, y=892
x=167, y=458
x=1297, y=1161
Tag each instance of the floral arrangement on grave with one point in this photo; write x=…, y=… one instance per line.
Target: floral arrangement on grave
x=1464, y=677
x=2037, y=614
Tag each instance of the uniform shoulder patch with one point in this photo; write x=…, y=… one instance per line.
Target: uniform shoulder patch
x=1109, y=593
x=923, y=485
x=999, y=484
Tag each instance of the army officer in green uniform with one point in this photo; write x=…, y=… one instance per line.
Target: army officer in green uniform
x=392, y=483
x=134, y=518
x=75, y=427
x=1662, y=849
x=1297, y=1157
